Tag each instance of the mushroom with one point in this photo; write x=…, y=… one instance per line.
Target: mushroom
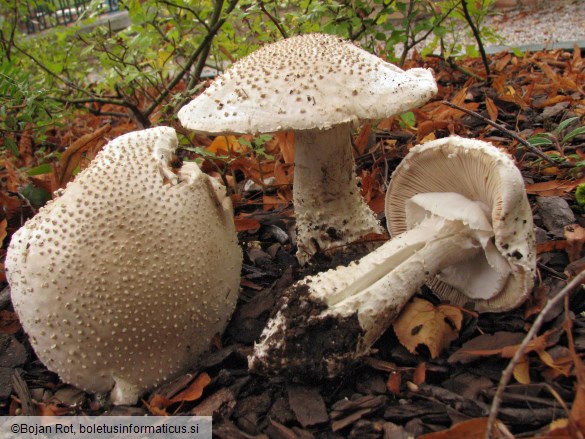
x=122, y=280
x=317, y=85
x=461, y=219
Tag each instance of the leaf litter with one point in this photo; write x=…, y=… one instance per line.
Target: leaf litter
x=442, y=390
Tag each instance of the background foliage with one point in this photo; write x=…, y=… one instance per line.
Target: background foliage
x=150, y=69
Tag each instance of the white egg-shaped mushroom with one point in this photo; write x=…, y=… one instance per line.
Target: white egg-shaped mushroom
x=122, y=280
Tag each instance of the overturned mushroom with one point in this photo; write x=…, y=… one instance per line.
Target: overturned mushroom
x=466, y=225
x=316, y=85
x=124, y=278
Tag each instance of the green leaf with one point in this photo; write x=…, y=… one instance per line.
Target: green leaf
x=36, y=196
x=540, y=139
x=576, y=132
x=408, y=119
x=45, y=168
x=565, y=123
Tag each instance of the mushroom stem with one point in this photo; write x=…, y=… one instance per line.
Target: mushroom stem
x=330, y=211
x=370, y=292
x=378, y=300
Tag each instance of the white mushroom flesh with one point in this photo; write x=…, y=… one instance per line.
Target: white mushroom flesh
x=123, y=279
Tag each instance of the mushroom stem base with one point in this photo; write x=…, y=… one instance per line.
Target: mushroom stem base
x=325, y=323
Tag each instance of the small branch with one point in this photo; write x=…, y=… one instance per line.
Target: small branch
x=216, y=24
x=51, y=73
x=477, y=37
x=282, y=31
x=414, y=40
x=191, y=10
x=509, y=133
x=508, y=372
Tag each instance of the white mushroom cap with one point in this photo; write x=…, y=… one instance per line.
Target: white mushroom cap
x=122, y=280
x=306, y=82
x=500, y=277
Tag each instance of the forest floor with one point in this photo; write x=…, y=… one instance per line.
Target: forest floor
x=393, y=393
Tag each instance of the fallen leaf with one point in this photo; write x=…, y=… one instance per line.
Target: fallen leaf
x=505, y=344
x=244, y=224
x=9, y=323
x=3, y=232
x=72, y=156
x=551, y=246
x=575, y=235
x=522, y=371
x=157, y=404
x=435, y=327
x=471, y=429
x=195, y=390
x=420, y=373
x=553, y=188
x=393, y=383
x=492, y=109
x=484, y=345
x=286, y=142
x=363, y=138
x=224, y=145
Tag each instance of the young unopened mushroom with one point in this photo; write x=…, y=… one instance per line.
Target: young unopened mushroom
x=317, y=85
x=465, y=224
x=123, y=279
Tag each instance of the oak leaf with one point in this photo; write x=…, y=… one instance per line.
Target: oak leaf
x=422, y=323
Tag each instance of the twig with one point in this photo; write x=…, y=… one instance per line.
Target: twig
x=508, y=133
x=507, y=374
x=215, y=25
x=477, y=36
x=273, y=19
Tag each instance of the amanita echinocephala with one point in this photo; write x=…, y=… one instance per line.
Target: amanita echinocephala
x=122, y=280
x=316, y=85
x=460, y=220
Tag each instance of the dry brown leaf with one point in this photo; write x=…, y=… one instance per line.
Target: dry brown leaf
x=252, y=169
x=492, y=109
x=286, y=142
x=9, y=323
x=428, y=127
x=393, y=383
x=363, y=138
x=575, y=235
x=195, y=390
x=522, y=370
x=553, y=188
x=274, y=202
x=435, y=327
x=503, y=62
x=471, y=429
x=420, y=374
x=225, y=145
x=157, y=404
x=3, y=232
x=72, y=156
x=244, y=224
x=484, y=345
x=551, y=246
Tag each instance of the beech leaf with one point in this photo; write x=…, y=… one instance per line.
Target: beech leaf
x=422, y=323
